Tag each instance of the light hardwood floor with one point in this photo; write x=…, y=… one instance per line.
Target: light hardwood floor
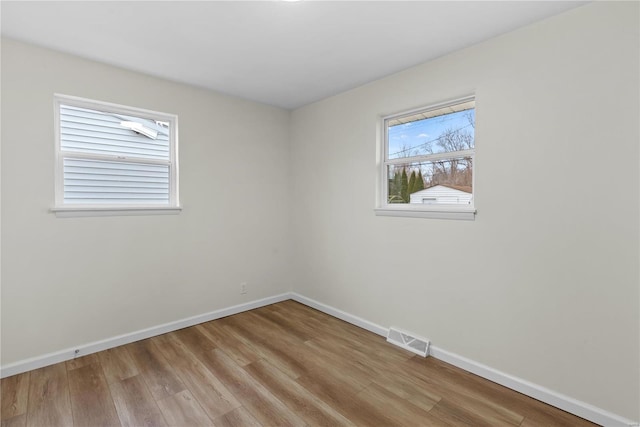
x=285, y=364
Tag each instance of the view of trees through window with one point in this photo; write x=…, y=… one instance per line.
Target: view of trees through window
x=425, y=152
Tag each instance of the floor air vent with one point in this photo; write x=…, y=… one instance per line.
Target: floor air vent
x=408, y=341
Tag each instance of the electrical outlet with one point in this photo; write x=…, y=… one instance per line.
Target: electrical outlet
x=243, y=288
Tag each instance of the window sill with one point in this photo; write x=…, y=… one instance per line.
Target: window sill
x=440, y=212
x=75, y=212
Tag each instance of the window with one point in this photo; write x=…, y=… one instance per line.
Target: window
x=427, y=162
x=114, y=159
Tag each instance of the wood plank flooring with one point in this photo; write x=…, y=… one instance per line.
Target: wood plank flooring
x=281, y=365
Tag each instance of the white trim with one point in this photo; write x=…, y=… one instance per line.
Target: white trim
x=432, y=157
x=110, y=106
x=553, y=398
x=110, y=158
x=431, y=107
x=462, y=214
x=349, y=318
x=561, y=401
x=93, y=347
x=85, y=211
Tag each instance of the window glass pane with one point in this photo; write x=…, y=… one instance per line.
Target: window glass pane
x=440, y=182
x=421, y=136
x=95, y=132
x=100, y=182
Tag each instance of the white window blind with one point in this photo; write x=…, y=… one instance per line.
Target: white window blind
x=109, y=157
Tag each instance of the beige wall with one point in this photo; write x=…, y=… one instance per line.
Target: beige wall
x=71, y=281
x=544, y=284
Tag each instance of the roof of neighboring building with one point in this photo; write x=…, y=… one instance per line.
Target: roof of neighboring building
x=465, y=188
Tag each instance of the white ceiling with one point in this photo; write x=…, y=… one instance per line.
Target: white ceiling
x=280, y=53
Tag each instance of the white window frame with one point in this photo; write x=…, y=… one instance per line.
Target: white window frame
x=66, y=210
x=383, y=208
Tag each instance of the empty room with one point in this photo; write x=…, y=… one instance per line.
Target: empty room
x=337, y=213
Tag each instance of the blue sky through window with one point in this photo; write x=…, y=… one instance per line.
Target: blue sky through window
x=422, y=136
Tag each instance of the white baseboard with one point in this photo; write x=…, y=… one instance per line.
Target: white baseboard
x=349, y=318
x=566, y=403
x=93, y=347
